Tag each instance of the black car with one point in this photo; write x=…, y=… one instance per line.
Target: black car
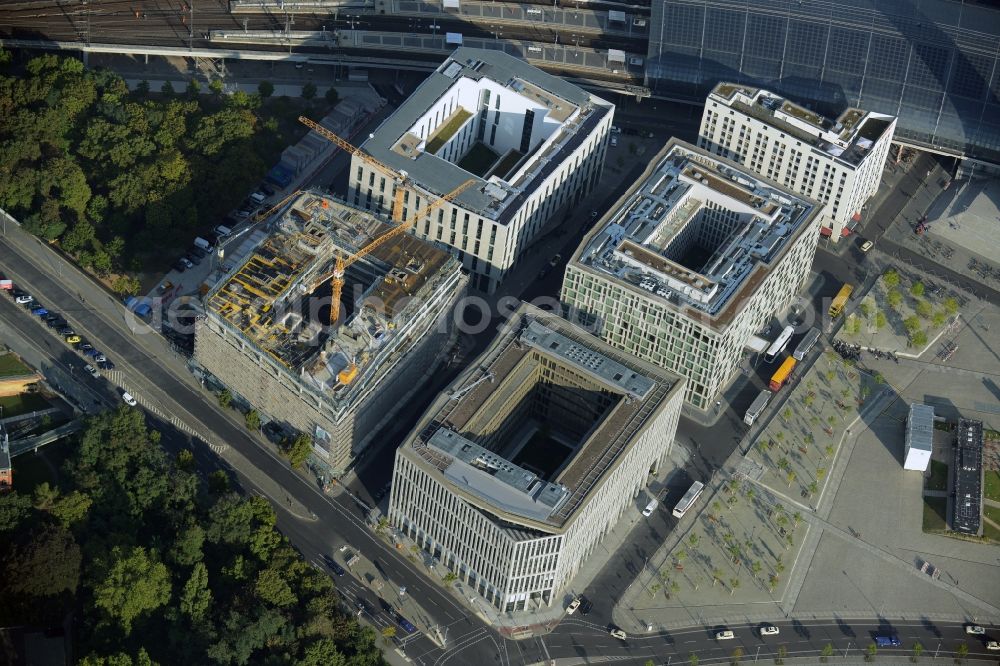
x=337, y=569
x=106, y=364
x=179, y=266
x=58, y=322
x=198, y=252
x=65, y=331
x=267, y=189
x=193, y=258
x=362, y=606
x=586, y=605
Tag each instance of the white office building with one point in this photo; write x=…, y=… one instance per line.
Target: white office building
x=691, y=264
x=532, y=144
x=514, y=476
x=836, y=162
x=919, y=438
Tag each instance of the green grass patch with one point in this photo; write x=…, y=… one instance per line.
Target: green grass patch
x=935, y=509
x=507, y=163
x=15, y=405
x=478, y=160
x=993, y=513
x=939, y=476
x=991, y=485
x=11, y=366
x=446, y=131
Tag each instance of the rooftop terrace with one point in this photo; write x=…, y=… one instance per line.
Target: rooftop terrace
x=848, y=138
x=667, y=236
x=277, y=302
x=534, y=339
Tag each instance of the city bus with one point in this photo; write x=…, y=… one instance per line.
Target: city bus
x=757, y=406
x=782, y=374
x=806, y=344
x=779, y=344
x=690, y=497
x=840, y=300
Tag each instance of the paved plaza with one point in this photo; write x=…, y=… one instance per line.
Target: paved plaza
x=826, y=471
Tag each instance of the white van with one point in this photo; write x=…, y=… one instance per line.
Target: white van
x=650, y=508
x=258, y=198
x=223, y=231
x=203, y=244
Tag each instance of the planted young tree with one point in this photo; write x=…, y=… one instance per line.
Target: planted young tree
x=693, y=659
x=674, y=587
x=756, y=567
x=813, y=488
x=891, y=278
x=786, y=413
x=779, y=566
x=225, y=398
x=733, y=584
x=880, y=320
x=918, y=649
x=782, y=653
x=826, y=652
x=309, y=90
x=716, y=576
x=950, y=305
x=829, y=450
x=388, y=633
x=917, y=289
x=653, y=589
x=252, y=419
x=773, y=582
x=961, y=652
x=820, y=473
x=680, y=555
x=871, y=651
x=737, y=655
x=919, y=338
x=693, y=540
x=790, y=477
x=894, y=298
x=265, y=89
x=923, y=309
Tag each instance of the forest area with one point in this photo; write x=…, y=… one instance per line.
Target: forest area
x=156, y=566
x=121, y=179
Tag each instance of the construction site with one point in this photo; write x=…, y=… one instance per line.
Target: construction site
x=332, y=322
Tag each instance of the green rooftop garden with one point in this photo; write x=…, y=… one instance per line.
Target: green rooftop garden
x=507, y=163
x=447, y=130
x=802, y=113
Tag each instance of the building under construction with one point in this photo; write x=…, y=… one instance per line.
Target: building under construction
x=267, y=334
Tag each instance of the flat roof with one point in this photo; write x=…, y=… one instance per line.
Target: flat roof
x=920, y=427
x=849, y=138
x=277, y=301
x=968, y=476
x=642, y=241
x=393, y=143
x=513, y=492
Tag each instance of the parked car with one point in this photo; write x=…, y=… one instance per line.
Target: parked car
x=56, y=322
x=975, y=630
x=92, y=370
x=129, y=400
x=724, y=635
x=86, y=347
x=39, y=311
x=618, y=633
x=23, y=299
x=555, y=260
x=768, y=630
x=106, y=364
x=883, y=640
x=73, y=339
x=586, y=605
x=65, y=330
x=614, y=140
x=187, y=262
x=615, y=129
x=337, y=569
x=867, y=245
x=92, y=353
x=573, y=605
x=405, y=624
x=193, y=258
x=198, y=252
x=993, y=645
x=100, y=358
x=179, y=266
x=362, y=606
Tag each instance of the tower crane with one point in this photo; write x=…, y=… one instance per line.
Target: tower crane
x=342, y=262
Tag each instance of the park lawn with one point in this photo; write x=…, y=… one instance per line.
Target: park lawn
x=11, y=366
x=15, y=405
x=938, y=479
x=993, y=513
x=934, y=514
x=991, y=485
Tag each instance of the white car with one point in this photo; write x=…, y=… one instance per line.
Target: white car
x=619, y=634
x=867, y=245
x=616, y=130
x=129, y=400
x=724, y=635
x=993, y=645
x=650, y=508
x=614, y=141
x=22, y=300
x=769, y=630
x=975, y=630
x=573, y=605
x=92, y=370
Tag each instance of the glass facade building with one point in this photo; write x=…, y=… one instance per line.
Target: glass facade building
x=932, y=63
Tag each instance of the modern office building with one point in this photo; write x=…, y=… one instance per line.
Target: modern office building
x=532, y=143
x=934, y=64
x=968, y=480
x=266, y=334
x=837, y=162
x=919, y=443
x=514, y=476
x=690, y=264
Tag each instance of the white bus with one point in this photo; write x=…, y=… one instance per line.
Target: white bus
x=690, y=497
x=805, y=344
x=757, y=406
x=779, y=345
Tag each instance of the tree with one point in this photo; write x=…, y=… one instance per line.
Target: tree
x=450, y=577
x=331, y=96
x=693, y=659
x=193, y=88
x=782, y=653
x=693, y=540
x=188, y=546
x=388, y=633
x=298, y=449
x=961, y=652
x=911, y=324
x=923, y=309
x=185, y=460
x=309, y=90
x=218, y=482
x=45, y=496
x=196, y=597
x=813, y=488
x=826, y=653
x=225, y=398
x=950, y=305
x=716, y=576
x=142, y=88
x=42, y=562
x=265, y=89
x=733, y=584
x=125, y=285
x=737, y=654
x=790, y=477
x=167, y=88
x=880, y=320
x=939, y=318
x=919, y=338
x=872, y=650
x=917, y=289
x=72, y=509
x=829, y=450
x=216, y=86
x=894, y=298
x=134, y=585
x=272, y=587
x=918, y=649
x=252, y=419
x=891, y=278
